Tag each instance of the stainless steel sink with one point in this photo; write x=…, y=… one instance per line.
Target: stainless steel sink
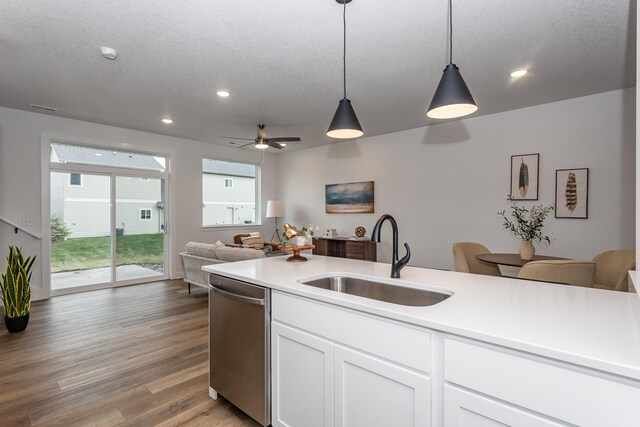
x=378, y=290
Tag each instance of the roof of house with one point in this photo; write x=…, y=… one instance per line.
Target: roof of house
x=220, y=167
x=63, y=153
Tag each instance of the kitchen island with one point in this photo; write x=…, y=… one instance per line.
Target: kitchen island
x=498, y=350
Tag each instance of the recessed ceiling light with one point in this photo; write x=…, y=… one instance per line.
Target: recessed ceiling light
x=223, y=93
x=519, y=73
x=108, y=53
x=167, y=121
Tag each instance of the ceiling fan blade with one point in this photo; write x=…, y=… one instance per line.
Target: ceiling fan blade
x=270, y=143
x=233, y=137
x=284, y=139
x=246, y=145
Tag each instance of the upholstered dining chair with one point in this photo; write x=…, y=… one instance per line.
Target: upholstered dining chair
x=612, y=268
x=568, y=272
x=464, y=257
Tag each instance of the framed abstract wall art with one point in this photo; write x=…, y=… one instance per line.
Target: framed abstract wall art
x=524, y=177
x=353, y=197
x=572, y=193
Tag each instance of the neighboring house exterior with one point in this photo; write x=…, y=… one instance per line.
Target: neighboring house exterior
x=228, y=192
x=83, y=200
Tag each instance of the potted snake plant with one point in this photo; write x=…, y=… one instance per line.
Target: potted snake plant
x=15, y=290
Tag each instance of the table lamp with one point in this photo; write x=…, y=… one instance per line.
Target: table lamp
x=275, y=209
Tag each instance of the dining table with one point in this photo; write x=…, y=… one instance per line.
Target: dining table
x=513, y=260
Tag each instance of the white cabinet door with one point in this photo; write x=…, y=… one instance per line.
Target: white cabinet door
x=466, y=409
x=302, y=378
x=371, y=392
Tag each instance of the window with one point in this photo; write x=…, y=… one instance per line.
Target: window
x=229, y=193
x=75, y=179
x=145, y=214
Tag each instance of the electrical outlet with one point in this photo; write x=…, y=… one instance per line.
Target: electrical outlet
x=29, y=220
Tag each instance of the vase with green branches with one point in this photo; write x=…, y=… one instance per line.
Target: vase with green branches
x=527, y=225
x=15, y=290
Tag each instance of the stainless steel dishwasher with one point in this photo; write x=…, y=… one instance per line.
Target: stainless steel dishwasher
x=240, y=345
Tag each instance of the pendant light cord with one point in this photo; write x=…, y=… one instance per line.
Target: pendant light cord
x=450, y=34
x=344, y=47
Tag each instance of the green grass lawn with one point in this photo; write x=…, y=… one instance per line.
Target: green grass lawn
x=92, y=252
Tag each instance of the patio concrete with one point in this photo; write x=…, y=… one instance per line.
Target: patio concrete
x=72, y=279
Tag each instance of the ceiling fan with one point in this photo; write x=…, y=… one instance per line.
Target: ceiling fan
x=262, y=142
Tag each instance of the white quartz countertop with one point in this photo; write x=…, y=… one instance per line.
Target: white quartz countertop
x=589, y=327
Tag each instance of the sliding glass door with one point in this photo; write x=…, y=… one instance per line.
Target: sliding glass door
x=107, y=217
x=139, y=228
x=81, y=238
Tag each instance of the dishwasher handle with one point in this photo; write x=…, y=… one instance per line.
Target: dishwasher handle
x=241, y=298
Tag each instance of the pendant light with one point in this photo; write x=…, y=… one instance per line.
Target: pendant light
x=345, y=123
x=452, y=98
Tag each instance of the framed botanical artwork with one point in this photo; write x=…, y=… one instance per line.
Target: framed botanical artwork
x=572, y=193
x=353, y=197
x=524, y=177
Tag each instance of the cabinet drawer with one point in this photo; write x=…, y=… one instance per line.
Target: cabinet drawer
x=562, y=391
x=355, y=250
x=463, y=408
x=394, y=341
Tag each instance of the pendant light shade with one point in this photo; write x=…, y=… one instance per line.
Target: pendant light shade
x=345, y=123
x=452, y=98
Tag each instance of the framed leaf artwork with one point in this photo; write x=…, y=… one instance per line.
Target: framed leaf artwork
x=572, y=193
x=524, y=177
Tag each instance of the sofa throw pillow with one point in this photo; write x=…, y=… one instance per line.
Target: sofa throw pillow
x=252, y=242
x=230, y=254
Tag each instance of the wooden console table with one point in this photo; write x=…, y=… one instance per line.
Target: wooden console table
x=343, y=247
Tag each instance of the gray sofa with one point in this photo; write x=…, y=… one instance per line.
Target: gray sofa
x=197, y=255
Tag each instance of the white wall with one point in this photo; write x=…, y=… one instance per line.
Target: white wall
x=21, y=185
x=445, y=183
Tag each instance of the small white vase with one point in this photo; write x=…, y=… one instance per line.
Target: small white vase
x=299, y=241
x=527, y=250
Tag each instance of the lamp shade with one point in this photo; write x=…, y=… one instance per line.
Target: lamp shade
x=345, y=123
x=290, y=231
x=452, y=98
x=275, y=209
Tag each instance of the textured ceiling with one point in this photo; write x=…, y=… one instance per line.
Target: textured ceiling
x=281, y=60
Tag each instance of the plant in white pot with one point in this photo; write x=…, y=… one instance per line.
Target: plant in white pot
x=15, y=290
x=527, y=225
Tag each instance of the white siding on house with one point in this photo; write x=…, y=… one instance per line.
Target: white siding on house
x=87, y=207
x=87, y=218
x=57, y=194
x=133, y=194
x=217, y=199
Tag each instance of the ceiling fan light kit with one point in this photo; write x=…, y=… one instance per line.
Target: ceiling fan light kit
x=452, y=98
x=345, y=123
x=262, y=142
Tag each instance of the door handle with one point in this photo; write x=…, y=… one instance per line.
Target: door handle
x=240, y=298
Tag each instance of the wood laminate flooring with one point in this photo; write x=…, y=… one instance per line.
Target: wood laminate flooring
x=128, y=356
